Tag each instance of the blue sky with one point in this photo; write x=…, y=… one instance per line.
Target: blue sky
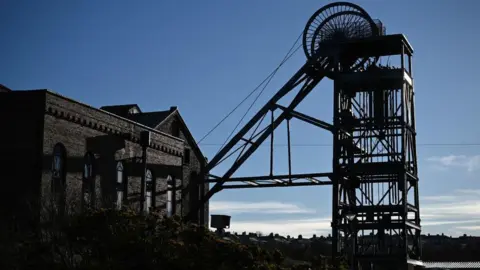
x=205, y=56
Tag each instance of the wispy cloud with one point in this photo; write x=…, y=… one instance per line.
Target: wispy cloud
x=474, y=192
x=448, y=222
x=438, y=198
x=470, y=163
x=459, y=205
x=455, y=213
x=469, y=228
x=447, y=213
x=268, y=207
x=459, y=209
x=305, y=227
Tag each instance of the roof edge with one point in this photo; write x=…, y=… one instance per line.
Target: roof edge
x=109, y=113
x=188, y=134
x=6, y=89
x=122, y=105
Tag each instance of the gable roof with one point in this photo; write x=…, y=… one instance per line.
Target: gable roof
x=150, y=119
x=154, y=120
x=188, y=135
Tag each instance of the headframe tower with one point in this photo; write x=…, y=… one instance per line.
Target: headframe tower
x=375, y=213
x=375, y=208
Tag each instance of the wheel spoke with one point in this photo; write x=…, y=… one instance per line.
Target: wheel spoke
x=338, y=21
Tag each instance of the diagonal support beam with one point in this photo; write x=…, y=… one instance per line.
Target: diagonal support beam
x=297, y=79
x=286, y=184
x=307, y=74
x=306, y=89
x=217, y=179
x=307, y=118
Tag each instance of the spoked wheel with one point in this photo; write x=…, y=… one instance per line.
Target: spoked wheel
x=340, y=21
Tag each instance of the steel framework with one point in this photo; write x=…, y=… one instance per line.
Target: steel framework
x=375, y=215
x=375, y=208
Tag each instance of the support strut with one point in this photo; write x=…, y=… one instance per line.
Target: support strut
x=310, y=75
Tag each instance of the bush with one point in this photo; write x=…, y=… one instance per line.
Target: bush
x=108, y=239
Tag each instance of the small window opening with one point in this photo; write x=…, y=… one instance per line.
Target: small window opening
x=149, y=189
x=120, y=186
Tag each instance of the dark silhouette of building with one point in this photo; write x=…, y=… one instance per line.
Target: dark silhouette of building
x=59, y=152
x=3, y=88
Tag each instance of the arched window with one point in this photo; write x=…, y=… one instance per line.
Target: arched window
x=59, y=177
x=88, y=186
x=169, y=196
x=120, y=185
x=58, y=163
x=149, y=189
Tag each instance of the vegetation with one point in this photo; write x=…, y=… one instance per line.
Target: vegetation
x=121, y=240
x=108, y=239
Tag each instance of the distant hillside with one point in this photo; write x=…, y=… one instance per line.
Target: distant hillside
x=434, y=247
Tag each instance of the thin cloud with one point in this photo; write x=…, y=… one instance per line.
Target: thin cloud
x=474, y=192
x=462, y=204
x=469, y=209
x=469, y=228
x=268, y=207
x=454, y=213
x=470, y=163
x=305, y=227
x=447, y=222
x=443, y=213
x=438, y=198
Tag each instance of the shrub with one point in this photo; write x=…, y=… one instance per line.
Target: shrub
x=108, y=239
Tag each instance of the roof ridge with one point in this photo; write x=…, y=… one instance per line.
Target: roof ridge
x=120, y=105
x=156, y=112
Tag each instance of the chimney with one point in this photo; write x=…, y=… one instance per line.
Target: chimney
x=173, y=108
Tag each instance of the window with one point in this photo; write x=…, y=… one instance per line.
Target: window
x=58, y=161
x=88, y=188
x=169, y=196
x=120, y=186
x=58, y=184
x=186, y=156
x=149, y=189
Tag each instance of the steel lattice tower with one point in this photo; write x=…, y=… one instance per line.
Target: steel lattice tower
x=375, y=208
x=375, y=188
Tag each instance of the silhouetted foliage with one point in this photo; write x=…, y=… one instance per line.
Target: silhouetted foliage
x=108, y=239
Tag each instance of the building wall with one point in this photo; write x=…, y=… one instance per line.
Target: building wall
x=193, y=167
x=38, y=120
x=20, y=150
x=81, y=128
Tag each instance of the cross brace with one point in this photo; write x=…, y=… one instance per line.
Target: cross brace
x=310, y=74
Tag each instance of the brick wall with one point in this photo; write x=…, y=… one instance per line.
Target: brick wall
x=83, y=129
x=33, y=122
x=197, y=161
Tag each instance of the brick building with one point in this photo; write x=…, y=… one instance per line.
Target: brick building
x=55, y=149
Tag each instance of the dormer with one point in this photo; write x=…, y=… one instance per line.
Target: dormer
x=133, y=110
x=123, y=110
